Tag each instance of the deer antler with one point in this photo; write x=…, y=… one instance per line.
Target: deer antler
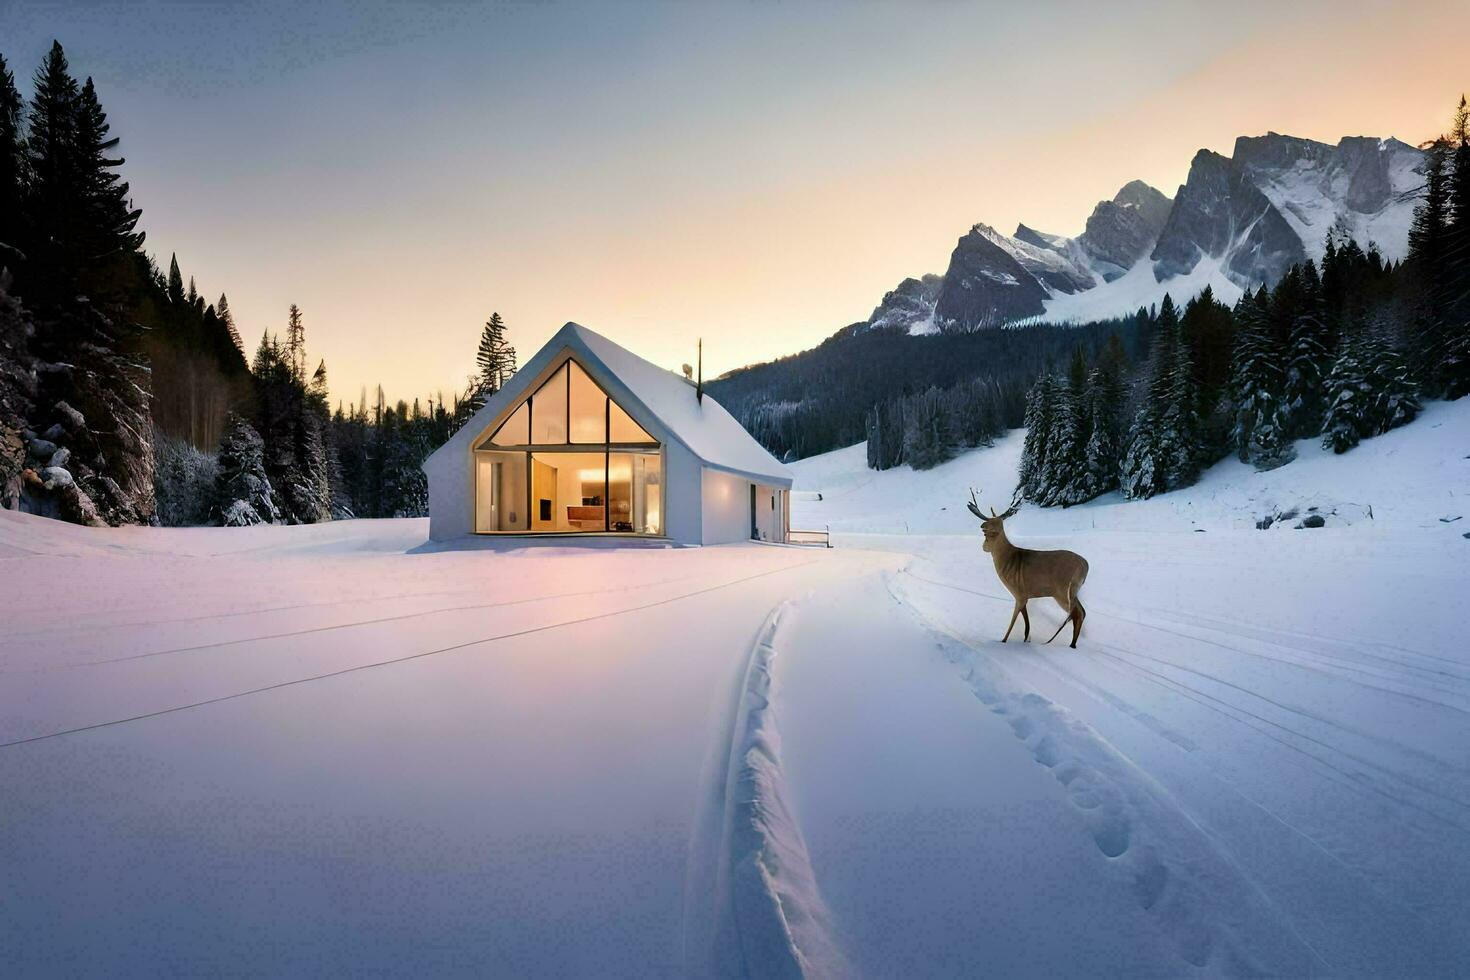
x=974, y=505
x=1015, y=505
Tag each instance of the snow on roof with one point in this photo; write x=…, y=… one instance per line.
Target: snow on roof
x=647, y=392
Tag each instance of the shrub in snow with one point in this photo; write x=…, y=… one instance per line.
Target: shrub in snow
x=184, y=480
x=243, y=494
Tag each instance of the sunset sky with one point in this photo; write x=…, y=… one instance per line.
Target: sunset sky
x=756, y=174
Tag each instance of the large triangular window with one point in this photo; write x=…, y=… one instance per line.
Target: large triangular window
x=569, y=409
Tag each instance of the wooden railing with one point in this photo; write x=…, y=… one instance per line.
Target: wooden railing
x=814, y=539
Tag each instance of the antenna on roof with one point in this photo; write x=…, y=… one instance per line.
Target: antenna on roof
x=699, y=384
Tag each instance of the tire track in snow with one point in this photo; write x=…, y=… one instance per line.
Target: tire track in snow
x=752, y=906
x=400, y=660
x=1215, y=914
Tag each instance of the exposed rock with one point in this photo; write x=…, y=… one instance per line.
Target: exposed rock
x=1057, y=266
x=985, y=286
x=1220, y=214
x=909, y=306
x=73, y=420
x=1122, y=231
x=41, y=448
x=56, y=476
x=1313, y=520
x=61, y=456
x=55, y=433
x=1040, y=239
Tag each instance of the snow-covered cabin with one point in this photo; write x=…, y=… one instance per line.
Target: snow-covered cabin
x=588, y=438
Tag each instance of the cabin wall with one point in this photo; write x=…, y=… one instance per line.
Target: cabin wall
x=451, y=495
x=726, y=500
x=681, y=494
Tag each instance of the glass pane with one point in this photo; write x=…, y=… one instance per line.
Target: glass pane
x=500, y=492
x=634, y=493
x=516, y=430
x=568, y=492
x=589, y=407
x=622, y=428
x=549, y=410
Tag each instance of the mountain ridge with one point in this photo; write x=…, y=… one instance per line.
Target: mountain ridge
x=1237, y=222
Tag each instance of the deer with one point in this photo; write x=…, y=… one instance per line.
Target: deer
x=1029, y=574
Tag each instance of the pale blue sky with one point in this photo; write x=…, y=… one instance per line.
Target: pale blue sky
x=758, y=174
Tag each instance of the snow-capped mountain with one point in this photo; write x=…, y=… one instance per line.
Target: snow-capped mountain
x=1236, y=223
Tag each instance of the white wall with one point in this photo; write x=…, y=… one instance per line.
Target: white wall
x=726, y=507
x=682, y=495
x=451, y=495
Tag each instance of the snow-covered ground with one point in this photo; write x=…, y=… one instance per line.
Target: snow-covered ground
x=339, y=749
x=1267, y=733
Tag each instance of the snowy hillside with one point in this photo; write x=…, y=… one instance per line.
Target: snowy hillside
x=1411, y=478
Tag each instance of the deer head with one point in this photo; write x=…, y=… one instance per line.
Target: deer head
x=992, y=526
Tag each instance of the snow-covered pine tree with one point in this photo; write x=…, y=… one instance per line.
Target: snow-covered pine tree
x=81, y=256
x=1347, y=397
x=1155, y=443
x=243, y=494
x=1179, y=436
x=1393, y=397
x=1107, y=396
x=1308, y=359
x=1259, y=429
x=927, y=441
x=1065, y=470
x=1041, y=403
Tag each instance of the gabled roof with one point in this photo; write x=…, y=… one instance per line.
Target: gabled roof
x=646, y=391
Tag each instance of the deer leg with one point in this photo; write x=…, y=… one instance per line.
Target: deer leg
x=1025, y=618
x=1080, y=614
x=1066, y=608
x=1014, y=613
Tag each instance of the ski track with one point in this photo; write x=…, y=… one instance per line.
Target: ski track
x=753, y=907
x=1216, y=916
x=1357, y=772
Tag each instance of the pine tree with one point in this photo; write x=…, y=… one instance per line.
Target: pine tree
x=109, y=219
x=243, y=494
x=1035, y=469
x=1427, y=255
x=1393, y=397
x=1454, y=357
x=927, y=440
x=12, y=169
x=1260, y=423
x=296, y=341
x=1348, y=398
x=52, y=163
x=175, y=282
x=222, y=310
x=1180, y=435
x=1107, y=396
x=1156, y=446
x=495, y=360
x=1065, y=470
x=1308, y=360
